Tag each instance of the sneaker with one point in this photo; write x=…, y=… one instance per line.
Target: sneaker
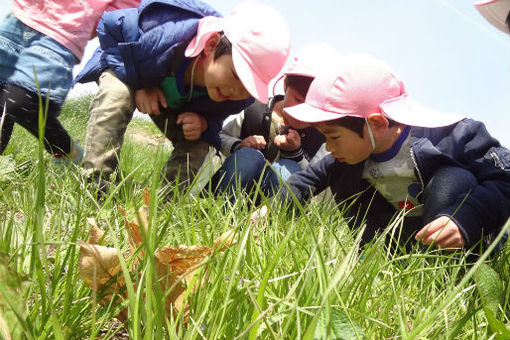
x=100, y=187
x=74, y=157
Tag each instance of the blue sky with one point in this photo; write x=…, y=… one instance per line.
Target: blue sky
x=448, y=56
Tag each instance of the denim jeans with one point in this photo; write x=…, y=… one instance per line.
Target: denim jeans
x=246, y=168
x=24, y=51
x=33, y=65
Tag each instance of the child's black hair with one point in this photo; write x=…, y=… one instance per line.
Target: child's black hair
x=224, y=47
x=356, y=124
x=299, y=83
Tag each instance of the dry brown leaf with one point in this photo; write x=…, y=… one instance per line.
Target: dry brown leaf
x=96, y=235
x=180, y=259
x=227, y=239
x=133, y=228
x=147, y=197
x=97, y=264
x=176, y=266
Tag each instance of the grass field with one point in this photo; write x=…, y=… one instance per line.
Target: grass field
x=289, y=276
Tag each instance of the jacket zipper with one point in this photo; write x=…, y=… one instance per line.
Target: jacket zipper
x=417, y=171
x=497, y=161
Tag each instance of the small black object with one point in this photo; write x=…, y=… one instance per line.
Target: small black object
x=283, y=129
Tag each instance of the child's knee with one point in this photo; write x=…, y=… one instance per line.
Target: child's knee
x=249, y=158
x=449, y=179
x=447, y=187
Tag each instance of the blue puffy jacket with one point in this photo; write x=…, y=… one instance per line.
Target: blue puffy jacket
x=466, y=144
x=138, y=44
x=140, y=39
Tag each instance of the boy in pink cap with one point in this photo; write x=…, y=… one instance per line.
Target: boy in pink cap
x=185, y=66
x=444, y=172
x=262, y=134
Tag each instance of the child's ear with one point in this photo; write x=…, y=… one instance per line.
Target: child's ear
x=211, y=43
x=378, y=121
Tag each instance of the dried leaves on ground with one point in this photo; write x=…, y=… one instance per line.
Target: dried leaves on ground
x=176, y=266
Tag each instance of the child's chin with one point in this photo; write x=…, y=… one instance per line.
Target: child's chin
x=218, y=100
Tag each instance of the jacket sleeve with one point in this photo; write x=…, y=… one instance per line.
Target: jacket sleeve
x=230, y=134
x=113, y=30
x=312, y=159
x=487, y=208
x=147, y=59
x=305, y=184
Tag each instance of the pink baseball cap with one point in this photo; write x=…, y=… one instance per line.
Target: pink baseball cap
x=308, y=60
x=495, y=12
x=260, y=43
x=357, y=85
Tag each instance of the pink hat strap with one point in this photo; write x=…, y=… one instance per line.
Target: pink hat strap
x=370, y=134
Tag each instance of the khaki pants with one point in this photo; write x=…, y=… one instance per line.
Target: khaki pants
x=111, y=110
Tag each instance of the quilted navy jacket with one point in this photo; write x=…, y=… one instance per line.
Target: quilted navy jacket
x=466, y=144
x=138, y=44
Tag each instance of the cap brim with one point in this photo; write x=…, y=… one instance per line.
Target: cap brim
x=309, y=114
x=495, y=12
x=408, y=112
x=253, y=84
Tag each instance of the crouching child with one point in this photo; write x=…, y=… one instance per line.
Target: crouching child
x=447, y=175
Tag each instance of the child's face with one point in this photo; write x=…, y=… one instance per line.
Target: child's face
x=293, y=97
x=222, y=82
x=344, y=144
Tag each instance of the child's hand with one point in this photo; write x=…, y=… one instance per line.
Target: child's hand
x=193, y=125
x=256, y=141
x=148, y=100
x=288, y=142
x=443, y=232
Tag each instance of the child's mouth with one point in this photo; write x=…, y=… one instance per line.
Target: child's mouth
x=220, y=95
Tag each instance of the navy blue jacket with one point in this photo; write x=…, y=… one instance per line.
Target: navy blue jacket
x=139, y=43
x=466, y=144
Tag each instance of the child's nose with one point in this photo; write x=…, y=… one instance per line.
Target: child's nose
x=328, y=147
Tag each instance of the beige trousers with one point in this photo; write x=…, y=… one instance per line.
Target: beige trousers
x=111, y=110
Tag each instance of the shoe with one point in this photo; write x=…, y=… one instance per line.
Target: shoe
x=100, y=188
x=74, y=157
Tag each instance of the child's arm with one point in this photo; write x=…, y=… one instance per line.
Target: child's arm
x=256, y=142
x=487, y=207
x=444, y=232
x=289, y=142
x=148, y=100
x=193, y=125
x=310, y=182
x=230, y=133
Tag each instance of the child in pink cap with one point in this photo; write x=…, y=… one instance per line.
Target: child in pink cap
x=185, y=66
x=262, y=134
x=39, y=45
x=444, y=172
